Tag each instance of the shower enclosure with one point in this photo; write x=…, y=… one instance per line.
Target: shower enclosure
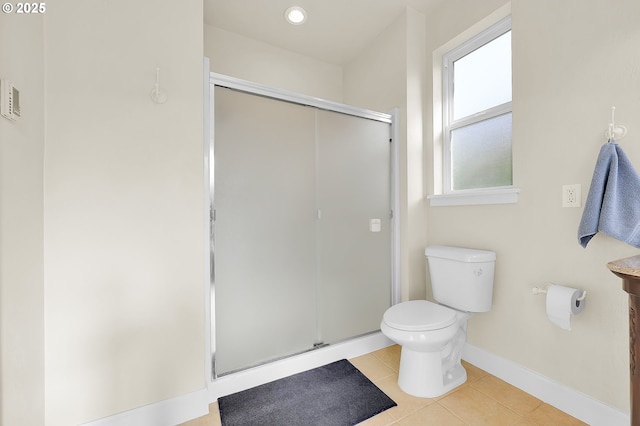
x=302, y=224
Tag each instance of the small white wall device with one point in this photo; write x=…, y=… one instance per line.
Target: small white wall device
x=10, y=107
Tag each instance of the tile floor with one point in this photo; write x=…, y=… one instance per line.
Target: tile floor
x=482, y=400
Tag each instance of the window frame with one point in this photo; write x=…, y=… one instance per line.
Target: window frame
x=446, y=195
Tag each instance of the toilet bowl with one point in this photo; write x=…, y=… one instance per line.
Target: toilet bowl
x=432, y=335
x=429, y=335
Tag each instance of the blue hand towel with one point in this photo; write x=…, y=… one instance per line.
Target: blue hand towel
x=613, y=202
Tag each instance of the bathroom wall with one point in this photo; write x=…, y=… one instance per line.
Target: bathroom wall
x=571, y=62
x=253, y=60
x=124, y=207
x=21, y=228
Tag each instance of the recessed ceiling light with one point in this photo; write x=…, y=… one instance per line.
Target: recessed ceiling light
x=295, y=15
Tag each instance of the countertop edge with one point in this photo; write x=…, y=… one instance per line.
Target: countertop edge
x=627, y=266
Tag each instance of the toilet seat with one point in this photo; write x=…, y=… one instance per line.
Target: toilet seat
x=419, y=315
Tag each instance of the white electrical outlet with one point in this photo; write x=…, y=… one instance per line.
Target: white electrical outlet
x=572, y=195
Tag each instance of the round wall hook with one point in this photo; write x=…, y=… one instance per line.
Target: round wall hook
x=158, y=95
x=615, y=131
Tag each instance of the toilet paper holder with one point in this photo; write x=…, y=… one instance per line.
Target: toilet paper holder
x=538, y=290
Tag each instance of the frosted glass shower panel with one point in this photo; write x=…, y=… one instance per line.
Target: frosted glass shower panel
x=354, y=264
x=265, y=259
x=481, y=154
x=296, y=263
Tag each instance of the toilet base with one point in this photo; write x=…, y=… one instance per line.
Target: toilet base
x=421, y=374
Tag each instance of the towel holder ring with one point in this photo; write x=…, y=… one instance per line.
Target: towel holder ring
x=615, y=131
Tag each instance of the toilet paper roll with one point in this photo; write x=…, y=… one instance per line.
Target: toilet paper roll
x=562, y=302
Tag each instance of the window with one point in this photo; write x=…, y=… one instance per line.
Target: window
x=477, y=117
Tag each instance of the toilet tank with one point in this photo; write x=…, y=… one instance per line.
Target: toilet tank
x=461, y=278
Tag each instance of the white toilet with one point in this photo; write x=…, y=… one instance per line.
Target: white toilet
x=432, y=335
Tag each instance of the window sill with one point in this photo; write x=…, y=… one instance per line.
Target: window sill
x=489, y=196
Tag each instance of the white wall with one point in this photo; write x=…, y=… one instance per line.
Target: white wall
x=569, y=66
x=241, y=57
x=124, y=222
x=21, y=228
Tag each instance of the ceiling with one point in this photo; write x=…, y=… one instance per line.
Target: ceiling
x=335, y=30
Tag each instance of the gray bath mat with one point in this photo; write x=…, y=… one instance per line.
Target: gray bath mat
x=335, y=394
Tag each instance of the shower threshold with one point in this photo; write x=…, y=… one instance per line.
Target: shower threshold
x=246, y=378
x=315, y=347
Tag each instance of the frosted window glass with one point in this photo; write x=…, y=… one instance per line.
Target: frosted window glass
x=481, y=154
x=483, y=78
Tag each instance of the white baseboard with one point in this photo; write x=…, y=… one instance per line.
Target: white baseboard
x=572, y=402
x=249, y=378
x=164, y=413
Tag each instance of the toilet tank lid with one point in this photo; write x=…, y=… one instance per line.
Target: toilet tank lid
x=460, y=254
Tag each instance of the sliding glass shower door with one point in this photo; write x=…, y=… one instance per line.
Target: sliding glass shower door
x=302, y=238
x=353, y=195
